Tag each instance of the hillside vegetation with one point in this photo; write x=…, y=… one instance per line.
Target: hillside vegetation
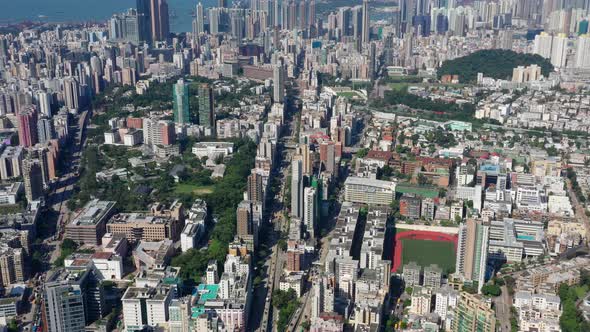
x=497, y=64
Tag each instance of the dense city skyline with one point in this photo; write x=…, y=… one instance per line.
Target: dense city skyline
x=297, y=165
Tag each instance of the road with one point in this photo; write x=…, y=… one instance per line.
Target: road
x=60, y=191
x=280, y=226
x=579, y=208
x=502, y=306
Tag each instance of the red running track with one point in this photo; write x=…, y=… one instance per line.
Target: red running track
x=417, y=235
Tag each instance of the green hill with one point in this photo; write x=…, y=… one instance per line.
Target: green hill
x=497, y=64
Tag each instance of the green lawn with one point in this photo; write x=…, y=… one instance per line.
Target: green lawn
x=425, y=252
x=349, y=94
x=187, y=188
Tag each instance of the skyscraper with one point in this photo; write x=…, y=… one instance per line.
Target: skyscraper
x=366, y=22
x=311, y=13
x=302, y=15
x=180, y=101
x=472, y=251
x=372, y=61
x=159, y=19
x=27, y=126
x=199, y=21
x=206, y=108
x=278, y=83
x=407, y=12
x=144, y=20
x=296, y=188
x=277, y=13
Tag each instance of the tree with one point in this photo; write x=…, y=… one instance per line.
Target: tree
x=12, y=326
x=491, y=290
x=282, y=244
x=422, y=180
x=493, y=63
x=306, y=325
x=361, y=153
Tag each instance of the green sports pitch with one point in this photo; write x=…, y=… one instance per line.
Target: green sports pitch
x=426, y=252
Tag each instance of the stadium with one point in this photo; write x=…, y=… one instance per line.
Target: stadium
x=424, y=247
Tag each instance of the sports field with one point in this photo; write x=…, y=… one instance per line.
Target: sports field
x=426, y=252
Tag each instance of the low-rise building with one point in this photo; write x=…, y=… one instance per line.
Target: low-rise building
x=89, y=225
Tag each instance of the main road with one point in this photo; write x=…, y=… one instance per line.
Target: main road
x=279, y=222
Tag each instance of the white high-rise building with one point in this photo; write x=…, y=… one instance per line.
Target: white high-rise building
x=559, y=50
x=542, y=45
x=199, y=21
x=310, y=210
x=278, y=83
x=143, y=307
x=64, y=307
x=44, y=101
x=583, y=52
x=472, y=251
x=212, y=274
x=297, y=188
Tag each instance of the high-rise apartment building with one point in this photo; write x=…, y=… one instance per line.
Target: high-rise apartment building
x=559, y=50
x=245, y=226
x=45, y=130
x=278, y=83
x=12, y=268
x=146, y=307
x=297, y=188
x=472, y=251
x=73, y=298
x=474, y=313
x=542, y=45
x=27, y=126
x=180, y=101
x=255, y=188
x=33, y=179
x=44, y=103
x=206, y=108
x=583, y=51
x=10, y=162
x=310, y=210
x=328, y=156
x=64, y=307
x=306, y=156
x=158, y=132
x=71, y=93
